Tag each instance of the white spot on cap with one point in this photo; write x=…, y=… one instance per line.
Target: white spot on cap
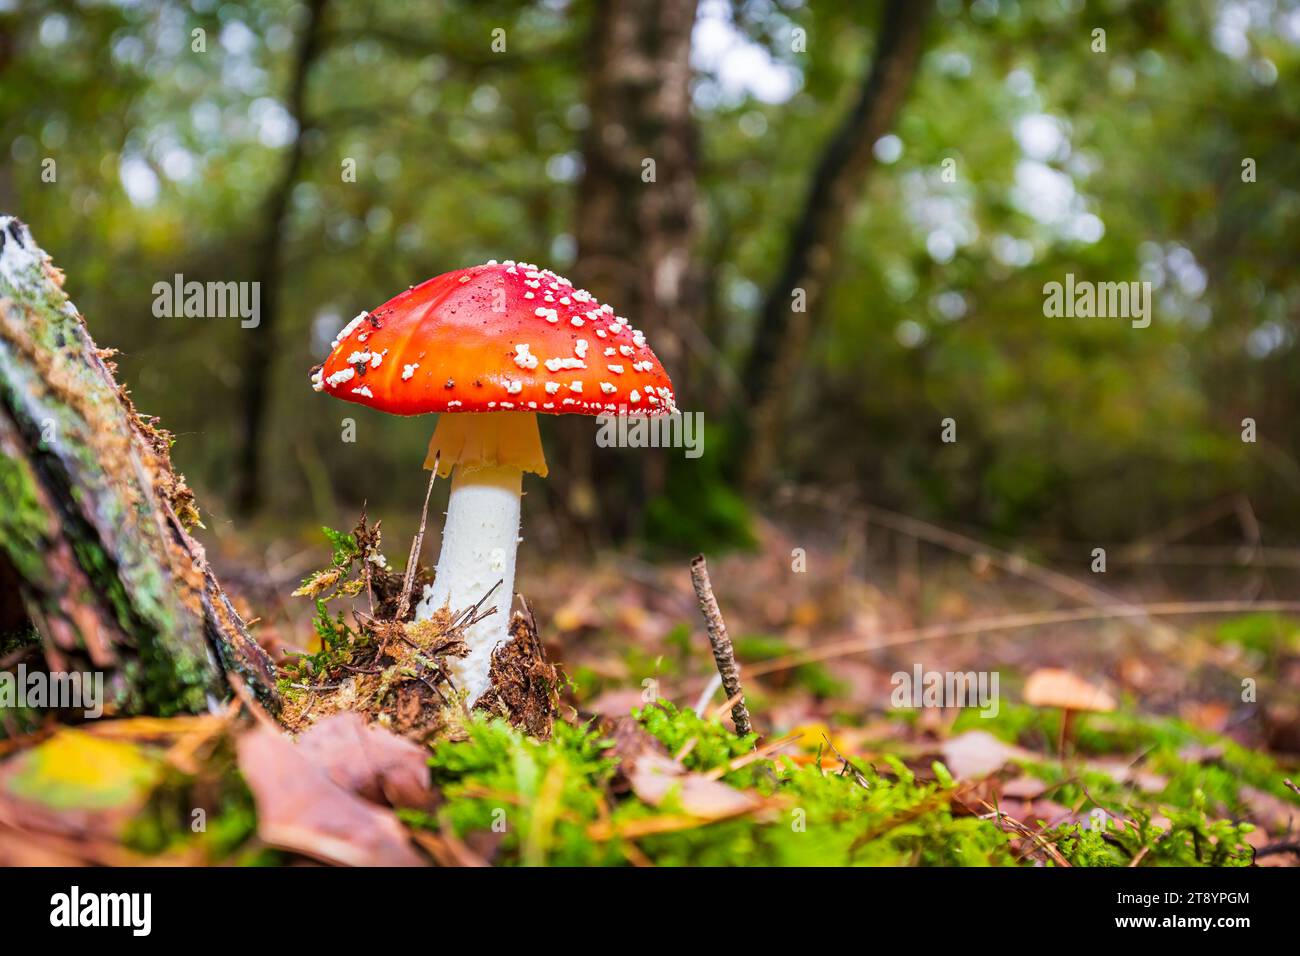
x=409, y=370
x=607, y=388
x=341, y=376
x=523, y=357
x=555, y=364
x=552, y=387
x=363, y=390
x=348, y=329
x=575, y=386
x=514, y=388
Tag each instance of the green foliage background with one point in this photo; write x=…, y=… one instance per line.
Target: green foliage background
x=1065, y=426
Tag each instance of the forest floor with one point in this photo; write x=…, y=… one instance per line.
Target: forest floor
x=1193, y=764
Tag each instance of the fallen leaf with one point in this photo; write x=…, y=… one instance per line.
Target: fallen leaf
x=76, y=771
x=369, y=760
x=616, y=702
x=300, y=808
x=1123, y=771
x=66, y=800
x=1272, y=813
x=653, y=776
x=978, y=753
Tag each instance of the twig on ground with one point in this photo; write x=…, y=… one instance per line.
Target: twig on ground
x=1040, y=842
x=724, y=655
x=1282, y=846
x=413, y=560
x=470, y=615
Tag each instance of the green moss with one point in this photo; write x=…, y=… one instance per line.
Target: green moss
x=543, y=798
x=540, y=796
x=24, y=526
x=216, y=824
x=713, y=744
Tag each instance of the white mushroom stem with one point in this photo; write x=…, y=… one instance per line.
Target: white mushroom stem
x=489, y=452
x=479, y=541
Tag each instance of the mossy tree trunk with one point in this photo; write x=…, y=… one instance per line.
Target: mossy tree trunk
x=94, y=522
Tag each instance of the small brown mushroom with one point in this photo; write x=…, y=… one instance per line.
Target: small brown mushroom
x=1054, y=687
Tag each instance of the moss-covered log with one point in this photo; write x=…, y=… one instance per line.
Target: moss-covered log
x=93, y=519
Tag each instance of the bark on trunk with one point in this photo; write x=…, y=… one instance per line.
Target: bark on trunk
x=841, y=173
x=93, y=519
x=636, y=221
x=636, y=217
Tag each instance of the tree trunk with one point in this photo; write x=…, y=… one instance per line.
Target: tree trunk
x=93, y=519
x=784, y=323
x=269, y=261
x=636, y=217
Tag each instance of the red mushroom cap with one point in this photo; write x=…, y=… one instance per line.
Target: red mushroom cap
x=498, y=337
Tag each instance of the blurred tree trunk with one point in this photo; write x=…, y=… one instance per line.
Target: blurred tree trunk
x=268, y=250
x=636, y=216
x=94, y=546
x=785, y=321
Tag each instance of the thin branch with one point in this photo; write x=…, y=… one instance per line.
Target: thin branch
x=835, y=188
x=1012, y=622
x=724, y=655
x=413, y=559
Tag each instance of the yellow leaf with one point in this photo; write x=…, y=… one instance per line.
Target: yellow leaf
x=75, y=770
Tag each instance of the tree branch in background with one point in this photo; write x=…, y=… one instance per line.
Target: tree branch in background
x=269, y=260
x=94, y=547
x=782, y=333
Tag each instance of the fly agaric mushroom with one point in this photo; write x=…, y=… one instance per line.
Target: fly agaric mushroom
x=1054, y=687
x=490, y=347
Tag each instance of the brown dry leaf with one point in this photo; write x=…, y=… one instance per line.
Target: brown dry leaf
x=1272, y=813
x=617, y=702
x=1023, y=788
x=578, y=613
x=369, y=760
x=978, y=753
x=300, y=808
x=653, y=776
x=1123, y=771
x=153, y=728
x=1211, y=715
x=70, y=796
x=656, y=777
